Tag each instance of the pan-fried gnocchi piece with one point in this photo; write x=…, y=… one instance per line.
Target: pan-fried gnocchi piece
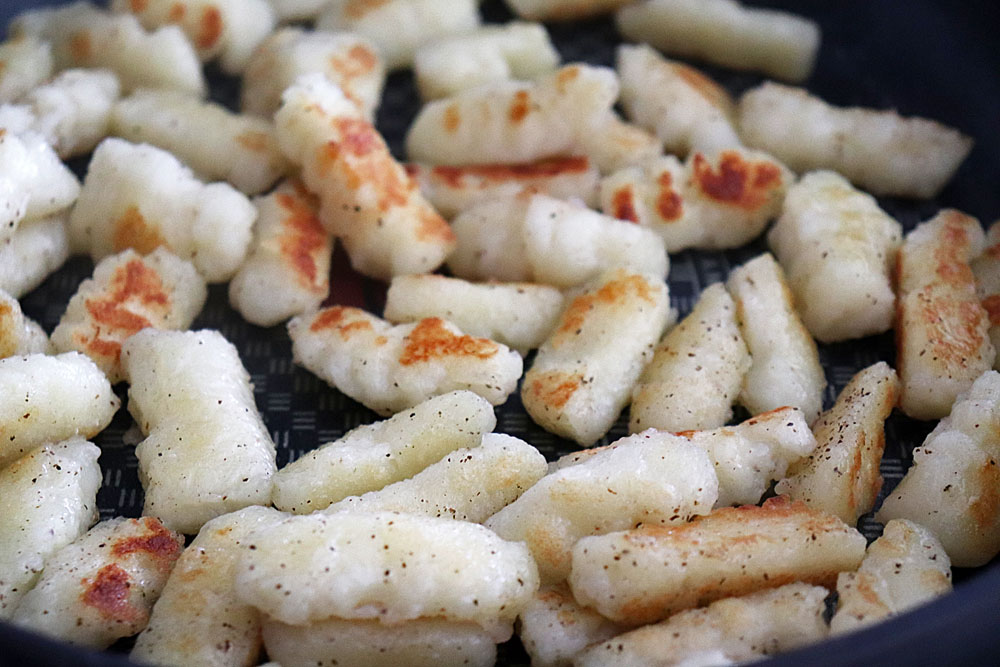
x=615, y=144
x=102, y=586
x=652, y=478
x=128, y=293
x=712, y=201
x=942, y=339
x=646, y=574
x=986, y=269
x=19, y=334
x=198, y=619
x=727, y=33
x=83, y=35
x=48, y=498
x=490, y=53
x=423, y=642
x=469, y=484
x=139, y=196
x=32, y=253
x=754, y=453
x=453, y=190
x=831, y=234
x=386, y=566
x=546, y=240
x=585, y=371
x=390, y=368
x=207, y=451
x=519, y=315
x=287, y=271
x=904, y=568
x=367, y=199
x=296, y=10
x=225, y=29
x=72, y=111
x=880, y=151
x=696, y=371
x=509, y=122
x=25, y=63
x=554, y=627
x=841, y=476
x=687, y=110
x=47, y=399
x=400, y=27
x=216, y=143
x=951, y=488
x=739, y=629
x=34, y=184
x=785, y=368
x=376, y=455
x=563, y=10
x=348, y=60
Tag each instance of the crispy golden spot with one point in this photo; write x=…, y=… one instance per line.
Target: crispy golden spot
x=955, y=329
x=360, y=60
x=614, y=292
x=555, y=388
x=668, y=201
x=162, y=544
x=520, y=107
x=985, y=507
x=452, y=118
x=623, y=204
x=328, y=318
x=715, y=94
x=80, y=47
x=949, y=254
x=357, y=9
x=8, y=331
x=176, y=13
x=302, y=241
x=455, y=177
x=108, y=593
x=432, y=227
x=209, y=28
x=138, y=6
x=258, y=142
x=747, y=185
x=431, y=340
x=566, y=76
x=132, y=231
x=991, y=305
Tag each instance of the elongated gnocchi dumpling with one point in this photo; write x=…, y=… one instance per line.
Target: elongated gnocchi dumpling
x=34, y=184
x=102, y=586
x=366, y=198
x=216, y=143
x=376, y=455
x=48, y=499
x=986, y=269
x=831, y=234
x=880, y=151
x=206, y=452
x=139, y=196
x=585, y=371
x=346, y=59
x=508, y=122
x=727, y=33
x=126, y=294
x=519, y=315
x=390, y=368
x=554, y=627
x=287, y=271
x=652, y=478
x=25, y=63
x=47, y=399
x=696, y=372
x=615, y=144
x=942, y=330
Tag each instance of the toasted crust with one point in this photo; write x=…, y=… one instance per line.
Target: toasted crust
x=19, y=335
x=554, y=627
x=646, y=574
x=841, y=477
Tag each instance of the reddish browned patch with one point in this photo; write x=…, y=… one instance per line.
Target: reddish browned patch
x=992, y=251
x=258, y=142
x=431, y=340
x=452, y=118
x=328, y=318
x=554, y=389
x=985, y=508
x=623, y=204
x=209, y=28
x=710, y=90
x=8, y=331
x=303, y=239
x=991, y=305
x=160, y=543
x=520, y=107
x=132, y=231
x=454, y=177
x=613, y=292
x=362, y=158
x=949, y=254
x=432, y=227
x=138, y=6
x=108, y=593
x=356, y=9
x=357, y=136
x=668, y=201
x=748, y=185
x=360, y=60
x=566, y=76
x=80, y=47
x=176, y=13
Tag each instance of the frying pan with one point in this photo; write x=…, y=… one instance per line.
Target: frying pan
x=921, y=57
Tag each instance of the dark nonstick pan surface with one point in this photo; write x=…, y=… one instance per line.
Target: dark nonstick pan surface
x=922, y=57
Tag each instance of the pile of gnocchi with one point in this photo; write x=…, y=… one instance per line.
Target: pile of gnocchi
x=526, y=247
